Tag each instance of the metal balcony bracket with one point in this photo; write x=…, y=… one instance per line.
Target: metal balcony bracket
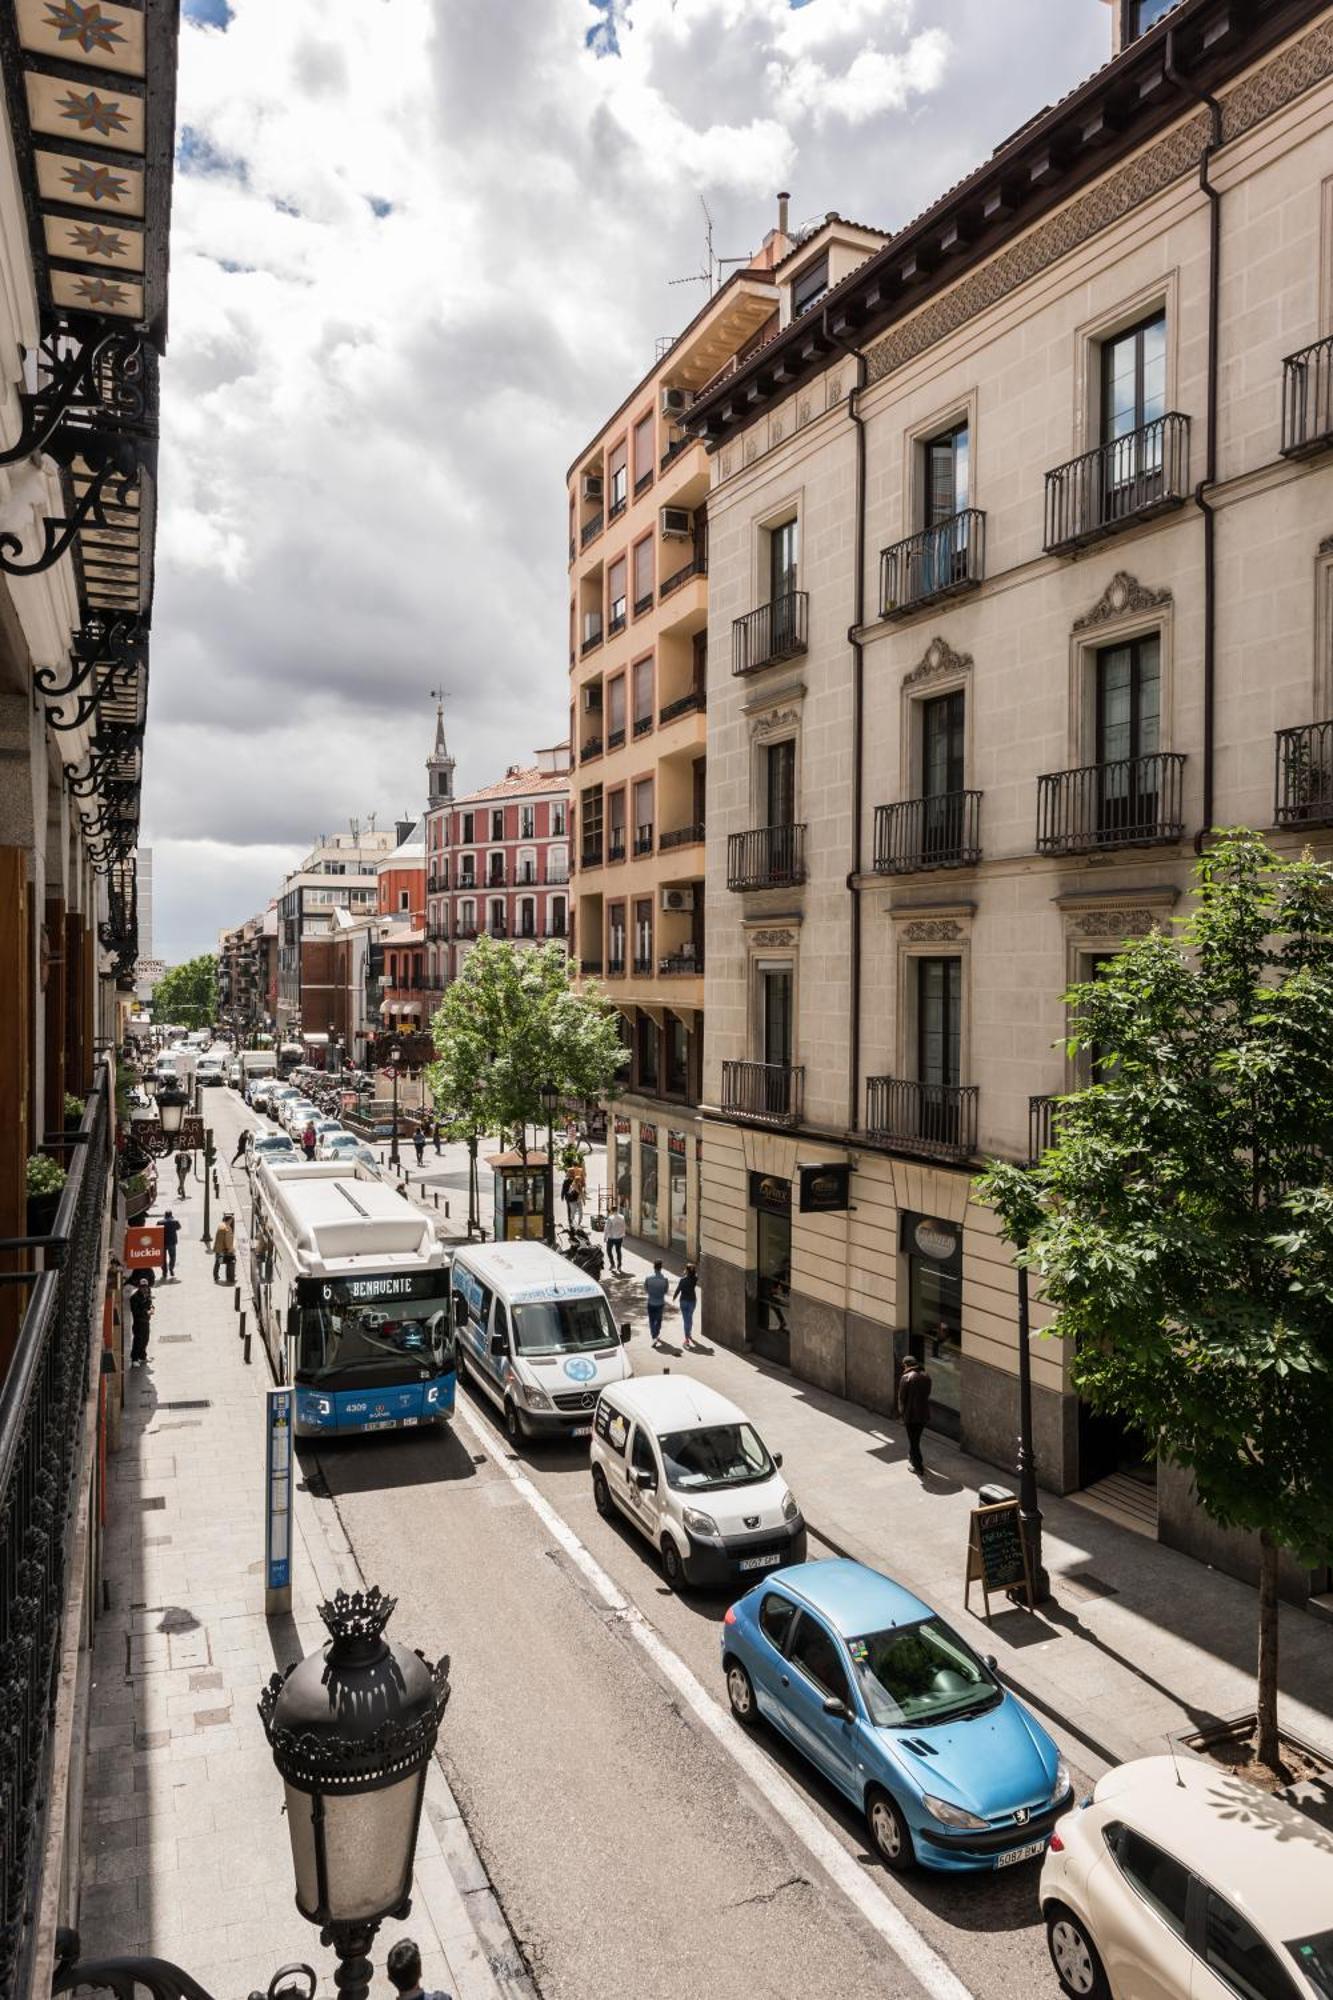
x=91, y=377
x=115, y=464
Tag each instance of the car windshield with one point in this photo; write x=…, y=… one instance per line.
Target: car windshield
x=396, y=1340
x=722, y=1455
x=563, y=1326
x=1314, y=1955
x=274, y=1142
x=914, y=1674
x=346, y=1142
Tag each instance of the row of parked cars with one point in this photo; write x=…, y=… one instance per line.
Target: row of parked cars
x=291, y=1112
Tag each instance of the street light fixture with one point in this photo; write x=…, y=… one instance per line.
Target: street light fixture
x=352, y=1729
x=395, y=1062
x=172, y=1106
x=550, y=1097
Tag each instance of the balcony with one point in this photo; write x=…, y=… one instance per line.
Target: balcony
x=1043, y=1116
x=617, y=507
x=682, y=836
x=592, y=638
x=674, y=450
x=1307, y=400
x=768, y=857
x=590, y=530
x=465, y=932
x=615, y=965
x=642, y=604
x=1133, y=802
x=592, y=854
x=1129, y=479
x=497, y=928
x=1304, y=792
x=936, y=1120
x=615, y=844
x=920, y=834
x=495, y=878
x=615, y=739
x=769, y=1093
x=437, y=933
x=939, y=562
x=619, y=620
x=556, y=878
x=696, y=566
x=680, y=963
x=642, y=483
x=592, y=748
x=697, y=698
x=642, y=724
x=437, y=884
x=776, y=631
x=591, y=967
x=643, y=967
x=643, y=838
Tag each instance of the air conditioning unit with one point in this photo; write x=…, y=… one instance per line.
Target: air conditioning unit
x=592, y=698
x=678, y=899
x=677, y=523
x=591, y=485
x=675, y=402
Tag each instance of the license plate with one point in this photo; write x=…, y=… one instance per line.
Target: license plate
x=386, y=1424
x=581, y=1431
x=1026, y=1853
x=759, y=1562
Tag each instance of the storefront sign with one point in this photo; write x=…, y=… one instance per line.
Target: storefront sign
x=647, y=1135
x=143, y=1249
x=935, y=1240
x=676, y=1145
x=622, y=1128
x=769, y=1192
x=825, y=1189
x=997, y=1555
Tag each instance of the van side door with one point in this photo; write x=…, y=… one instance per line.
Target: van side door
x=643, y=1484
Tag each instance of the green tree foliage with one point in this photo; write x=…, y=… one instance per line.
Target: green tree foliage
x=187, y=995
x=511, y=1022
x=1182, y=1224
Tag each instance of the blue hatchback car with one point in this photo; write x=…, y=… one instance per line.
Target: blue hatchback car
x=898, y=1712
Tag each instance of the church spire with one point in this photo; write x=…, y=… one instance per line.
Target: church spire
x=440, y=765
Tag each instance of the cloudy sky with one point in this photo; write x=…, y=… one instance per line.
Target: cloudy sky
x=421, y=249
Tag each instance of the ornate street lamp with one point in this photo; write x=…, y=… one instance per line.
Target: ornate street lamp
x=172, y=1105
x=395, y=1062
x=550, y=1097
x=352, y=1729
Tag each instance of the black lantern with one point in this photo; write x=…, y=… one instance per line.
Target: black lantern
x=172, y=1106
x=352, y=1729
x=148, y=1084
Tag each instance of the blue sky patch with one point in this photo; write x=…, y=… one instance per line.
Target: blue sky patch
x=209, y=13
x=196, y=154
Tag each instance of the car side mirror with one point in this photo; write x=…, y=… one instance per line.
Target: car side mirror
x=644, y=1478
x=460, y=1309
x=834, y=1706
x=777, y=1460
x=624, y=1332
x=499, y=1347
x=993, y=1664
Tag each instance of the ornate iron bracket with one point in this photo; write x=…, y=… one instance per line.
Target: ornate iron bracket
x=87, y=705
x=115, y=464
x=101, y=375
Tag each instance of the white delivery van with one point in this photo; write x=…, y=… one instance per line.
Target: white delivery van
x=536, y=1335
x=694, y=1476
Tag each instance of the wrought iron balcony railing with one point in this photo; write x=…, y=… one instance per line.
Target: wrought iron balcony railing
x=495, y=877
x=936, y=1120
x=1132, y=802
x=589, y=749
x=1307, y=399
x=642, y=724
x=592, y=854
x=776, y=631
x=642, y=604
x=592, y=640
x=939, y=832
x=674, y=962
x=770, y=1093
x=642, y=483
x=590, y=530
x=615, y=738
x=556, y=877
x=1043, y=1115
x=696, y=566
x=615, y=965
x=591, y=966
x=465, y=932
x=682, y=836
x=643, y=965
x=1304, y=789
x=643, y=838
x=617, y=624
x=696, y=698
x=615, y=844
x=1130, y=478
x=936, y=563
x=767, y=857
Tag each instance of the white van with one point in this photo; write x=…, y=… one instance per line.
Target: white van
x=536, y=1335
x=696, y=1479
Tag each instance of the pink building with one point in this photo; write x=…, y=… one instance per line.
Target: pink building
x=497, y=859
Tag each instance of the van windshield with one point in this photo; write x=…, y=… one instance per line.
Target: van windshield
x=722, y=1455
x=563, y=1326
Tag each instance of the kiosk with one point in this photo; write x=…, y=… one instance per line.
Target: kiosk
x=522, y=1195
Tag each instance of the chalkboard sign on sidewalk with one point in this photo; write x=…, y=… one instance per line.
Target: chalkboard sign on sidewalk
x=997, y=1555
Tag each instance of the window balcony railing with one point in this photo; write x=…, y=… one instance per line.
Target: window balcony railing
x=437, y=933
x=936, y=563
x=1132, y=802
x=619, y=619
x=617, y=507
x=592, y=854
x=642, y=724
x=556, y=931
x=615, y=844
x=677, y=962
x=465, y=932
x=642, y=483
x=592, y=640
x=939, y=832
x=495, y=878
x=591, y=966
x=682, y=836
x=696, y=566
x=768, y=857
x=1307, y=399
x=590, y=530
x=557, y=877
x=1128, y=479
x=776, y=631
x=436, y=884
x=1043, y=1116
x=936, y=1120
x=643, y=838
x=643, y=966
x=770, y=1093
x=642, y=604
x=615, y=965
x=526, y=878
x=592, y=748
x=615, y=738
x=1304, y=791
x=697, y=698
x=673, y=450
x=497, y=928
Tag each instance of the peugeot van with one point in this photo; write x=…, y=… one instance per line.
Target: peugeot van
x=696, y=1479
x=536, y=1335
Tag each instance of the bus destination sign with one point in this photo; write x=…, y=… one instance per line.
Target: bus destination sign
x=379, y=1290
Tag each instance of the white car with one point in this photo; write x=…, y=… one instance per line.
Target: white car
x=268, y=1146
x=346, y=1146
x=296, y=1113
x=1180, y=1881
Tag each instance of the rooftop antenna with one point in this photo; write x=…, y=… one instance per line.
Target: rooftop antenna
x=1174, y=1750
x=711, y=274
x=370, y=822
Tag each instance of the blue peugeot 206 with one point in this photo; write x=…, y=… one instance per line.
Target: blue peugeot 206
x=898, y=1712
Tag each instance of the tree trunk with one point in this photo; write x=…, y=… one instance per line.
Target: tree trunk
x=1265, y=1735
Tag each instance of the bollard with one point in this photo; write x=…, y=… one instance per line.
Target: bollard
x=246, y=1339
x=436, y=1193
x=446, y=1211
x=236, y=1300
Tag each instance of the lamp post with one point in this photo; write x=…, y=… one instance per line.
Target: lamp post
x=1029, y=1507
x=550, y=1097
x=206, y=1235
x=395, y=1063
x=172, y=1106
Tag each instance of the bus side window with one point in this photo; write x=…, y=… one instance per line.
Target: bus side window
x=500, y=1330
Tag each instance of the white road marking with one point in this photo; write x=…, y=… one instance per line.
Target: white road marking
x=916, y=1954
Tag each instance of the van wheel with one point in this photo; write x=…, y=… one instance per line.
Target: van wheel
x=601, y=1493
x=672, y=1567
x=889, y=1831
x=1074, y=1956
x=515, y=1429
x=740, y=1693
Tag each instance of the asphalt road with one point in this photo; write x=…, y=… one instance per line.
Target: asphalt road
x=632, y=1854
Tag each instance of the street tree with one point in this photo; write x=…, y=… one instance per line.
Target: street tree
x=187, y=995
x=1182, y=1223
x=510, y=1022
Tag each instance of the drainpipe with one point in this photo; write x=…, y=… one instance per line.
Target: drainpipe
x=1201, y=500
x=858, y=730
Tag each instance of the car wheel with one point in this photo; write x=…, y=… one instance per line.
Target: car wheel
x=890, y=1832
x=601, y=1493
x=515, y=1429
x=740, y=1693
x=1074, y=1956
x=672, y=1567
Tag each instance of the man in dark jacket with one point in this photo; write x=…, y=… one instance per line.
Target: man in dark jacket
x=171, y=1231
x=141, y=1320
x=914, y=1408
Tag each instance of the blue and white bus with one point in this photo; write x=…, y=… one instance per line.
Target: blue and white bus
x=351, y=1289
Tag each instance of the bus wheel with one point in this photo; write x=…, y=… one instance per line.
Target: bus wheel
x=515, y=1430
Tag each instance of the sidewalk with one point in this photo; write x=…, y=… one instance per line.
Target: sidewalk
x=186, y=1854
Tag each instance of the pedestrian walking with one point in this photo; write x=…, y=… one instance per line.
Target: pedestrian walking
x=614, y=1236
x=171, y=1231
x=687, y=1298
x=224, y=1250
x=567, y=1196
x=655, y=1288
x=404, y=1969
x=437, y=1134
x=914, y=1408
x=141, y=1319
x=182, y=1173
x=242, y=1147
x=309, y=1140
x=419, y=1141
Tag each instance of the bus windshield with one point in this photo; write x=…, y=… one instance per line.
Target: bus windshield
x=375, y=1330
x=563, y=1326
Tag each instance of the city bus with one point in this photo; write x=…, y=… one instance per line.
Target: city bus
x=351, y=1291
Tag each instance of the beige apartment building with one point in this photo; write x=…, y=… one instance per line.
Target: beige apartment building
x=638, y=642
x=1021, y=579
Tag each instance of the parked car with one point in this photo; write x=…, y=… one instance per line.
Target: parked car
x=898, y=1713
x=268, y=1146
x=1181, y=1881
x=346, y=1146
x=692, y=1474
x=295, y=1113
x=259, y=1091
x=209, y=1074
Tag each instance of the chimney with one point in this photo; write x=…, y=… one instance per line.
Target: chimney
x=783, y=201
